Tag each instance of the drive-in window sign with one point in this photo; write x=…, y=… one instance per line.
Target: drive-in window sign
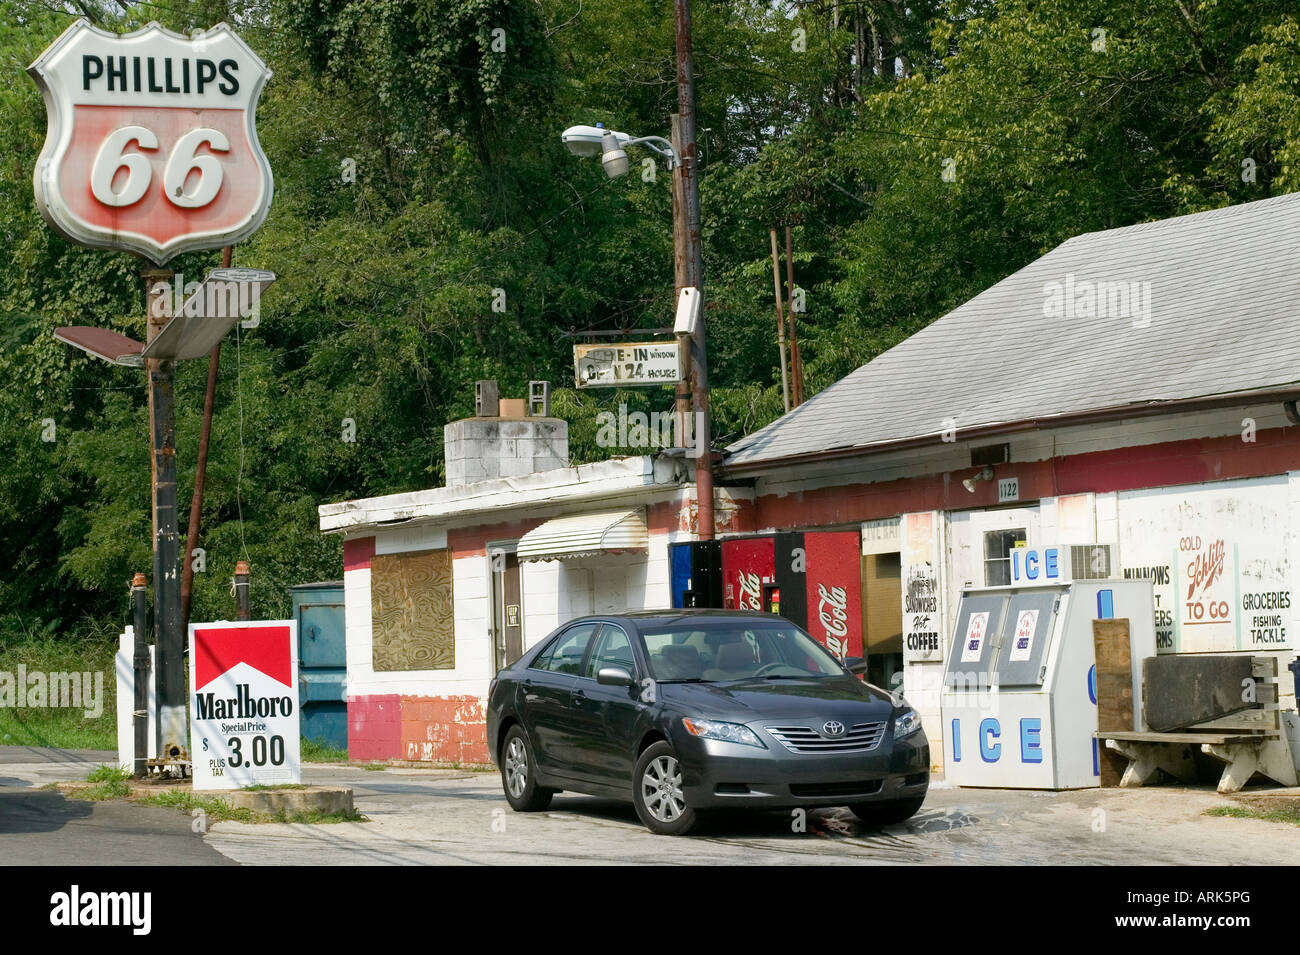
x=151, y=145
x=244, y=715
x=609, y=366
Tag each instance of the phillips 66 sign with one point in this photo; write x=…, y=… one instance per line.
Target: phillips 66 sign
x=151, y=145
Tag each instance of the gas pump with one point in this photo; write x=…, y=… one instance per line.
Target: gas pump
x=1019, y=698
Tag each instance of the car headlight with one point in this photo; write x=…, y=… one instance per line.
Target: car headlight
x=907, y=724
x=727, y=732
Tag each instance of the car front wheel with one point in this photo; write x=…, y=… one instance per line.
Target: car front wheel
x=519, y=774
x=657, y=792
x=886, y=813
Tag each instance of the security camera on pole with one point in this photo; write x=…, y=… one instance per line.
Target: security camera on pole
x=151, y=148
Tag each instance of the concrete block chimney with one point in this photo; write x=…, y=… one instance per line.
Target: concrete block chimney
x=507, y=442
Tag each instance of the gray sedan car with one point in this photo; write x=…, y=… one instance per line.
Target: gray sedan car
x=682, y=711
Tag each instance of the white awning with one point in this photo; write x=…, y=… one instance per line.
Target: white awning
x=586, y=535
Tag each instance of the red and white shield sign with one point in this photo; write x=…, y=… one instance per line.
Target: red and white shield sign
x=151, y=145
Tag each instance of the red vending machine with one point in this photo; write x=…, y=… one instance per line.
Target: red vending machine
x=834, y=594
x=747, y=564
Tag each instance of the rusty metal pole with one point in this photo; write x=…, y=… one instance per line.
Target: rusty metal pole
x=690, y=211
x=796, y=360
x=243, y=610
x=140, y=705
x=200, y=471
x=169, y=642
x=780, y=321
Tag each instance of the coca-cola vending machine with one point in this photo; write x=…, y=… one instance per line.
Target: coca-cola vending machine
x=834, y=591
x=813, y=579
x=747, y=564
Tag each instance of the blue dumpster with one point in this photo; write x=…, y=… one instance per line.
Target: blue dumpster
x=322, y=662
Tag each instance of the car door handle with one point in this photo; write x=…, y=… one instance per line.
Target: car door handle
x=578, y=697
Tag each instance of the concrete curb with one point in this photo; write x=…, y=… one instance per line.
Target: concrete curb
x=326, y=800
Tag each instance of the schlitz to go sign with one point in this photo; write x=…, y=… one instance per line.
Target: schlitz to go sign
x=151, y=146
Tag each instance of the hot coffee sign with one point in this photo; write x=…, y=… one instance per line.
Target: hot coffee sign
x=151, y=145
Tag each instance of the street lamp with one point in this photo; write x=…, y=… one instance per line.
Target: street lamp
x=611, y=147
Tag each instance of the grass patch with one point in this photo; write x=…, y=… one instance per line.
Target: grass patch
x=1289, y=816
x=375, y=767
x=112, y=784
x=214, y=808
x=313, y=752
x=262, y=787
x=113, y=789
x=104, y=773
x=88, y=647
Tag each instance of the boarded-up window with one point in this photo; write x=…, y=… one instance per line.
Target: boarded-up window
x=410, y=611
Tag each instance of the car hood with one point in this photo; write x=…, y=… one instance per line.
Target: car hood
x=744, y=701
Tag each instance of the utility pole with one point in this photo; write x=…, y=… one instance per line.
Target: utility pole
x=173, y=729
x=689, y=213
x=780, y=324
x=680, y=281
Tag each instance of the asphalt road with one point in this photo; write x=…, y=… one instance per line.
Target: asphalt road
x=442, y=817
x=42, y=827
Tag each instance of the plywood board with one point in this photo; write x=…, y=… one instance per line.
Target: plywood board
x=411, y=611
x=1114, y=674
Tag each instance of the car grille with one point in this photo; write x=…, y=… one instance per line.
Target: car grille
x=868, y=787
x=859, y=738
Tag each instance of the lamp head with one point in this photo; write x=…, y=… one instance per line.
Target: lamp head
x=583, y=140
x=613, y=156
x=984, y=475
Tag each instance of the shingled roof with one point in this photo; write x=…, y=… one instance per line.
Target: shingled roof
x=1213, y=313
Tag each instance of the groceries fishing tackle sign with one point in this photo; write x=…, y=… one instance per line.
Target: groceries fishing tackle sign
x=151, y=145
x=244, y=715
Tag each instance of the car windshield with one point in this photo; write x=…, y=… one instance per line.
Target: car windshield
x=718, y=651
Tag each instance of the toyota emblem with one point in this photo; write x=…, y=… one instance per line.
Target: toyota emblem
x=833, y=728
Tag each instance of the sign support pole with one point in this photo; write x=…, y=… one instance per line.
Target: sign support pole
x=169, y=640
x=140, y=709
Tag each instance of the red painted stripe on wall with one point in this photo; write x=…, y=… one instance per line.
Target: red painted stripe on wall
x=1274, y=451
x=357, y=553
x=375, y=727
x=473, y=541
x=445, y=729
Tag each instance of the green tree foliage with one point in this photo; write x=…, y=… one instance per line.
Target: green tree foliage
x=429, y=230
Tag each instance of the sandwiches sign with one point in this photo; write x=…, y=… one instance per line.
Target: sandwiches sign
x=244, y=716
x=151, y=145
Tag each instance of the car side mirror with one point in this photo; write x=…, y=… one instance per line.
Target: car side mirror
x=614, y=676
x=856, y=665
